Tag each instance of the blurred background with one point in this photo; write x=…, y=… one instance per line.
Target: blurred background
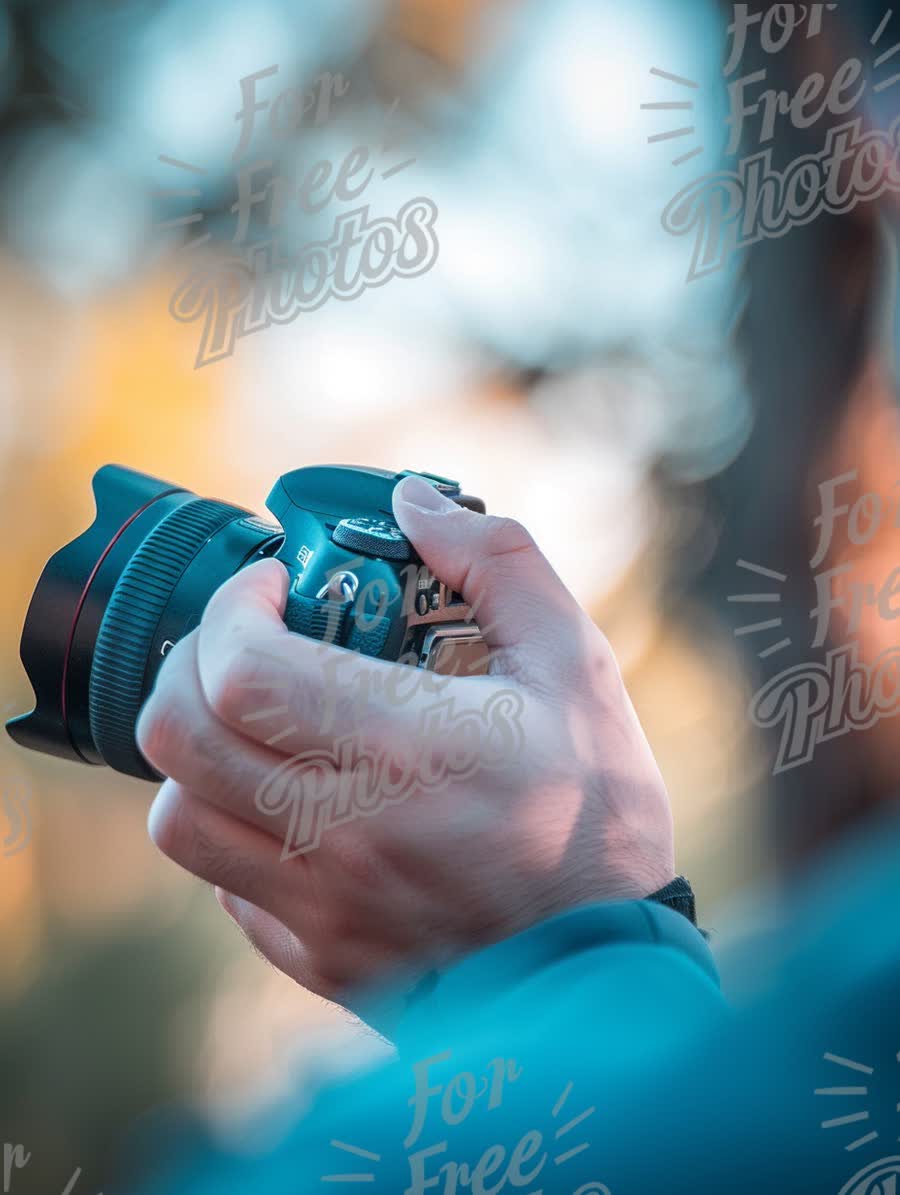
x=650, y=432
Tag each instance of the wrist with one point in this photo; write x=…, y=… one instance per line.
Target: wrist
x=630, y=864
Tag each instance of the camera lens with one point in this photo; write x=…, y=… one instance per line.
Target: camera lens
x=111, y=604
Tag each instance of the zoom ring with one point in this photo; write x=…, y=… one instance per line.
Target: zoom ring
x=130, y=623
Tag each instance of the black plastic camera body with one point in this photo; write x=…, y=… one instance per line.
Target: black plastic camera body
x=356, y=580
x=110, y=605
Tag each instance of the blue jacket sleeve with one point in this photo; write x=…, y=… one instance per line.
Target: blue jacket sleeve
x=593, y=1055
x=505, y=1065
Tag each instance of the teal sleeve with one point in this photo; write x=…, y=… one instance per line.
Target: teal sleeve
x=594, y=1055
x=496, y=1057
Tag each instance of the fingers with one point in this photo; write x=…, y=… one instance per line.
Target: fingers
x=517, y=599
x=226, y=851
x=273, y=940
x=301, y=799
x=320, y=923
x=332, y=967
x=279, y=689
x=179, y=735
x=244, y=866
x=293, y=694
x=290, y=797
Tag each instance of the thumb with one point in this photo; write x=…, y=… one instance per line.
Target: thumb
x=515, y=596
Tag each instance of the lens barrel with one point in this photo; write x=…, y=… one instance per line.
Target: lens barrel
x=129, y=626
x=109, y=605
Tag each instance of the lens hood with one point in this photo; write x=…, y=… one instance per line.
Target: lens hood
x=68, y=605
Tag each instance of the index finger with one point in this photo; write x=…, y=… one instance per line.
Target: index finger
x=293, y=693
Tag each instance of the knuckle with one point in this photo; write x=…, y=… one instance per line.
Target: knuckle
x=160, y=734
x=221, y=864
x=344, y=962
x=602, y=660
x=358, y=712
x=360, y=868
x=166, y=831
x=308, y=697
x=335, y=970
x=596, y=675
x=341, y=923
x=242, y=686
x=504, y=536
x=333, y=705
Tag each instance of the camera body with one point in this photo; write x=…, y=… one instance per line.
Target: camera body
x=357, y=582
x=111, y=604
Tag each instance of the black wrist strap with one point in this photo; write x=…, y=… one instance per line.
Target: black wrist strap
x=678, y=895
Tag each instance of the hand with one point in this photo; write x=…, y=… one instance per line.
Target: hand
x=534, y=792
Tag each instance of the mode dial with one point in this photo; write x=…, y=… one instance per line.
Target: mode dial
x=373, y=537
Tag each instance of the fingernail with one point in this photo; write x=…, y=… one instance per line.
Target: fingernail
x=416, y=492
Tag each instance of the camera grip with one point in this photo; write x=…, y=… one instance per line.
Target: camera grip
x=332, y=622
x=316, y=618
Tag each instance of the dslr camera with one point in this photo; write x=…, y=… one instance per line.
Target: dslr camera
x=111, y=604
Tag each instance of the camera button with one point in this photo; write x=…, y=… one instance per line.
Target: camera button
x=372, y=537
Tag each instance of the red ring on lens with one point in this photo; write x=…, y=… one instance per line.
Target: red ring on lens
x=87, y=585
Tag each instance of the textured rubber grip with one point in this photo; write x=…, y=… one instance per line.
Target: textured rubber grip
x=316, y=618
x=129, y=626
x=369, y=642
x=333, y=622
